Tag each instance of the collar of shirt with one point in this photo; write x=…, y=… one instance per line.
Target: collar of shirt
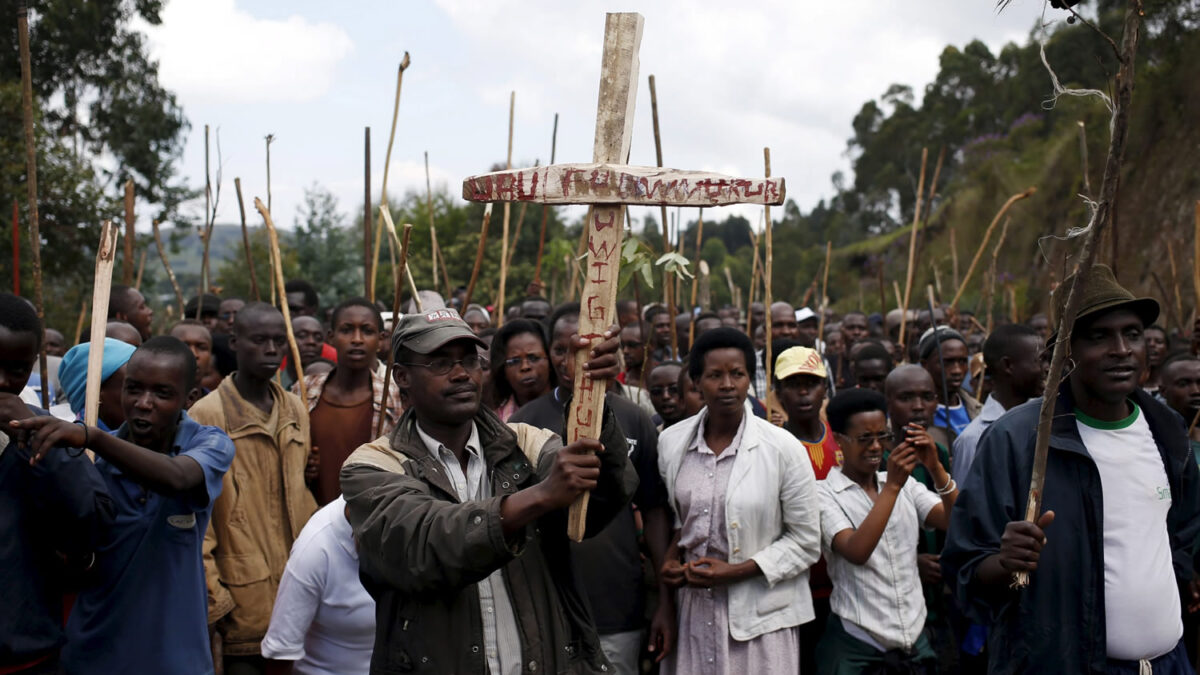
x=992, y=410
x=699, y=444
x=475, y=463
x=838, y=482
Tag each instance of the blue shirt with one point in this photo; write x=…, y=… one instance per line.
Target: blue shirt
x=959, y=419
x=58, y=505
x=147, y=610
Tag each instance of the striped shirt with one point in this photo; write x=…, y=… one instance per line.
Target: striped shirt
x=880, y=602
x=500, y=637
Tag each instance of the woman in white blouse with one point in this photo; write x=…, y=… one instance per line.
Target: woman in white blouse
x=323, y=622
x=747, y=524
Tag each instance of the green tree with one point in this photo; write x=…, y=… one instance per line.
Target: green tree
x=328, y=253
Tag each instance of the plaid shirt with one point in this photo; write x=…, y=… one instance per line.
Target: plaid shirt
x=315, y=384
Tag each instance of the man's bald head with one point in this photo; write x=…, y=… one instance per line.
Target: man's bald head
x=123, y=331
x=906, y=375
x=910, y=395
x=783, y=322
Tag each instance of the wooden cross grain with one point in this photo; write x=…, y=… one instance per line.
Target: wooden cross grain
x=608, y=187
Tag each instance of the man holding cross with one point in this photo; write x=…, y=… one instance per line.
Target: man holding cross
x=461, y=520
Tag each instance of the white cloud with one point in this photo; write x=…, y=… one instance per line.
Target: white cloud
x=212, y=52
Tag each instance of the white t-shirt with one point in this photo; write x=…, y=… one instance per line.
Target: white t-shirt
x=1142, y=611
x=323, y=619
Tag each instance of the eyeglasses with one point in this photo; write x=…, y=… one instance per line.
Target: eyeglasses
x=867, y=440
x=442, y=365
x=516, y=361
x=672, y=389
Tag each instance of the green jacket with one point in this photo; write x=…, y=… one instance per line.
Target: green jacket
x=421, y=550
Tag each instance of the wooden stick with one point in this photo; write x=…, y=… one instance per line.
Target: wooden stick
x=16, y=248
x=937, y=172
x=387, y=160
x=899, y=295
x=668, y=284
x=483, y=231
x=767, y=272
x=79, y=323
x=987, y=234
x=1196, y=259
x=733, y=299
x=1112, y=168
x=137, y=285
x=269, y=138
x=512, y=105
x=696, y=278
x=954, y=254
x=283, y=306
x=753, y=283
x=1175, y=285
x=402, y=270
x=162, y=254
x=391, y=362
x=537, y=272
x=237, y=186
x=824, y=293
x=368, y=271
x=991, y=287
x=433, y=243
x=130, y=235
x=106, y=256
x=1083, y=159
x=35, y=237
x=912, y=252
x=208, y=225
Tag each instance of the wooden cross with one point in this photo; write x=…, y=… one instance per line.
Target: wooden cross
x=608, y=186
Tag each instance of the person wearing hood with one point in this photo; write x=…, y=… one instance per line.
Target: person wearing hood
x=72, y=374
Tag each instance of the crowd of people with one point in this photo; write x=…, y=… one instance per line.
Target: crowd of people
x=775, y=490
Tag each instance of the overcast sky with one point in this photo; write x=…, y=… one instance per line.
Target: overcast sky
x=731, y=77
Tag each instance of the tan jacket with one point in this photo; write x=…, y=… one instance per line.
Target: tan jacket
x=264, y=503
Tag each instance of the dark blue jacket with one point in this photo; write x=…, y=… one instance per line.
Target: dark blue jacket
x=58, y=506
x=1057, y=624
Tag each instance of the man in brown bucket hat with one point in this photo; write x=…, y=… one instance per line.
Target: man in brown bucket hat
x=1111, y=578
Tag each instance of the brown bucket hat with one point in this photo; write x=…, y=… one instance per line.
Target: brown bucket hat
x=1101, y=292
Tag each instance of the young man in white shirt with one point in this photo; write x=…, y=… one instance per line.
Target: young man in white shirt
x=870, y=520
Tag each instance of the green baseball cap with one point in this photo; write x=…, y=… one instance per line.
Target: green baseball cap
x=426, y=332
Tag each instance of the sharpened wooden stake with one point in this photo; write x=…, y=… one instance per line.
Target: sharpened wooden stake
x=130, y=236
x=695, y=279
x=537, y=272
x=106, y=256
x=35, y=237
x=387, y=160
x=483, y=232
x=987, y=234
x=824, y=294
x=512, y=106
x=283, y=306
x=668, y=283
x=237, y=186
x=162, y=254
x=1106, y=202
x=391, y=362
x=912, y=253
x=768, y=297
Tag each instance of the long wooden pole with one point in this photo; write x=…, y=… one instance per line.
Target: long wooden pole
x=912, y=252
x=768, y=297
x=1196, y=259
x=35, y=237
x=16, y=248
x=237, y=186
x=368, y=271
x=1123, y=94
x=696, y=278
x=512, y=106
x=668, y=284
x=483, y=232
x=824, y=293
x=387, y=160
x=208, y=225
x=433, y=243
x=537, y=272
x=987, y=234
x=402, y=263
x=162, y=254
x=106, y=256
x=137, y=284
x=130, y=235
x=79, y=323
x=753, y=285
x=283, y=306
